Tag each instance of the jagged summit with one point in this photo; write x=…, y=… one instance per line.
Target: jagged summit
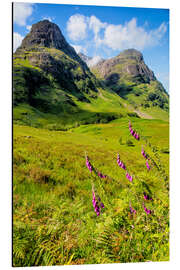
x=48, y=34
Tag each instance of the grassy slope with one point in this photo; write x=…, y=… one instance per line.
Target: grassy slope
x=103, y=109
x=54, y=220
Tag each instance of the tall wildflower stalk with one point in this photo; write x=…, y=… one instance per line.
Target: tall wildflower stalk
x=147, y=197
x=133, y=132
x=96, y=201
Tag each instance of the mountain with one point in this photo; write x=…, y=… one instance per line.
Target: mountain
x=47, y=72
x=129, y=76
x=127, y=65
x=53, y=87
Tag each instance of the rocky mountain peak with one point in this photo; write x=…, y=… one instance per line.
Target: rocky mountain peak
x=130, y=64
x=131, y=54
x=48, y=34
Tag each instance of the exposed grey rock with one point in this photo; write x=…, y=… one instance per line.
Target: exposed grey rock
x=48, y=34
x=128, y=63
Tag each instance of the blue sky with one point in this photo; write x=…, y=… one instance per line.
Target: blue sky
x=104, y=31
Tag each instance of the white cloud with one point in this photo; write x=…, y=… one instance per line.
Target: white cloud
x=79, y=48
x=115, y=37
x=157, y=34
x=28, y=27
x=118, y=37
x=21, y=12
x=94, y=61
x=17, y=39
x=96, y=25
x=76, y=27
x=48, y=18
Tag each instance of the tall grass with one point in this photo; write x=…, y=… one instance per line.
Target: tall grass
x=54, y=222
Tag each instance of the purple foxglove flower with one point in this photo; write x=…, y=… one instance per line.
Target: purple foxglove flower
x=88, y=164
x=101, y=205
x=137, y=136
x=98, y=213
x=96, y=200
x=143, y=153
x=146, y=197
x=101, y=175
x=119, y=163
x=129, y=177
x=123, y=166
x=132, y=210
x=147, y=165
x=148, y=211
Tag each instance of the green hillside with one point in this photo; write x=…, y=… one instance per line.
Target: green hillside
x=75, y=201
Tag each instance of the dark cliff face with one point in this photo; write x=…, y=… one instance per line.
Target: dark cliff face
x=129, y=64
x=48, y=34
x=45, y=66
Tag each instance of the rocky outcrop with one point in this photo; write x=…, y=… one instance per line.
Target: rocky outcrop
x=128, y=64
x=48, y=34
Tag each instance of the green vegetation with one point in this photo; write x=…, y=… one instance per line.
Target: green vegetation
x=48, y=79
x=62, y=113
x=54, y=222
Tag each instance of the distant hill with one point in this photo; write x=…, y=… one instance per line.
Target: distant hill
x=129, y=76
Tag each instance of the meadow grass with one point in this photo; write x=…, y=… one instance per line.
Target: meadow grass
x=54, y=222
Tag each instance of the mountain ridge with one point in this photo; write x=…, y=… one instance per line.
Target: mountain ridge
x=50, y=76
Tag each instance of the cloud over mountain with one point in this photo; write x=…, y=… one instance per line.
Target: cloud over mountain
x=77, y=27
x=115, y=37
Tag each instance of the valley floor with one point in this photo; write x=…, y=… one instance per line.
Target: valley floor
x=54, y=222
